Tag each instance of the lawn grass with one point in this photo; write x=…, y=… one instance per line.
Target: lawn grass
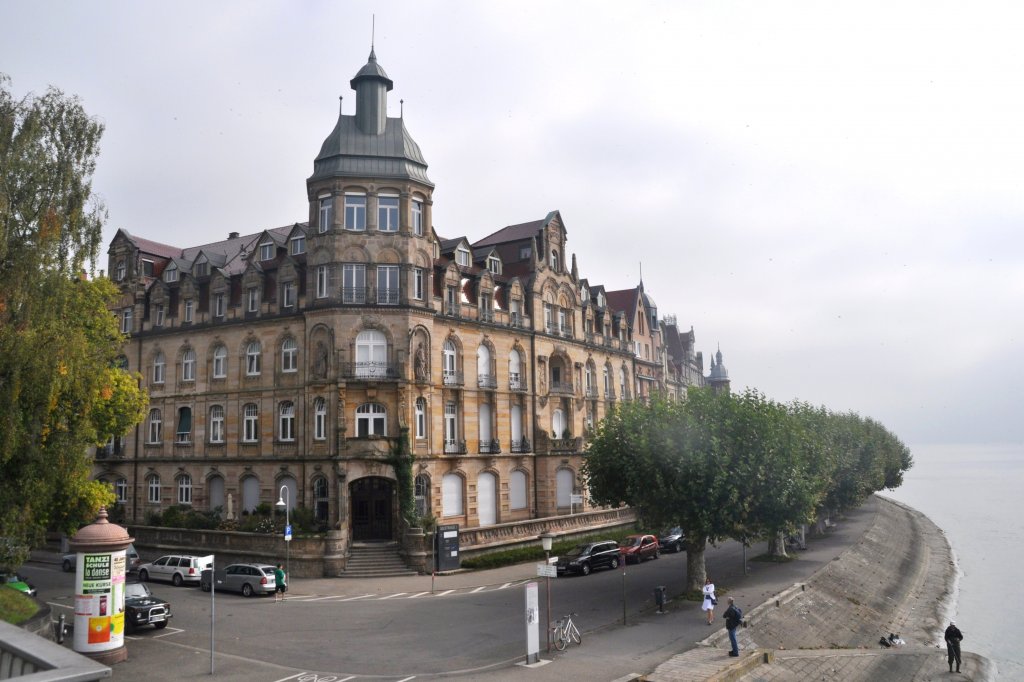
x=16, y=607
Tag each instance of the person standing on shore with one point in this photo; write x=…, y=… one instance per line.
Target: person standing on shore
x=953, y=638
x=733, y=618
x=709, y=600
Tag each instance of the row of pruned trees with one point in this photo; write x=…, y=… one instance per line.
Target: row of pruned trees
x=738, y=466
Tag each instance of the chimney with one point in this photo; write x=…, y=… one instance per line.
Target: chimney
x=232, y=235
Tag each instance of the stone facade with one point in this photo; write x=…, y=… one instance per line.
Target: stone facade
x=295, y=358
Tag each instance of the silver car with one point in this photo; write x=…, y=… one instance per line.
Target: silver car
x=178, y=568
x=249, y=579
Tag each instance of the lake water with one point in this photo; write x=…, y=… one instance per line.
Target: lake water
x=974, y=493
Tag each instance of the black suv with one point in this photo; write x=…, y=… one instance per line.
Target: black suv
x=585, y=558
x=142, y=607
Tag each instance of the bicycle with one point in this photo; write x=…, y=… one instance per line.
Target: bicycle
x=565, y=631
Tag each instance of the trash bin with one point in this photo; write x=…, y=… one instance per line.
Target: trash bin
x=659, y=598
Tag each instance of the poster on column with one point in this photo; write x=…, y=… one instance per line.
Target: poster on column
x=99, y=601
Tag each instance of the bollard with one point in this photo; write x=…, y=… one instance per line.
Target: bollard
x=659, y=598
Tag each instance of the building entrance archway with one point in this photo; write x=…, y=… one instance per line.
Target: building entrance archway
x=373, y=501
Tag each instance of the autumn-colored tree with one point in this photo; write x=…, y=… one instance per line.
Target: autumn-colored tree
x=61, y=388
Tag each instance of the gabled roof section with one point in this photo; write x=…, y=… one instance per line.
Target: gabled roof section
x=515, y=233
x=624, y=300
x=149, y=246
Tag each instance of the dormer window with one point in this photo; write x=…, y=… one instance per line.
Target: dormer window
x=326, y=214
x=584, y=295
x=202, y=269
x=171, y=274
x=600, y=299
x=298, y=244
x=494, y=264
x=355, y=212
x=147, y=268
x=267, y=251
x=462, y=256
x=524, y=253
x=387, y=213
x=120, y=271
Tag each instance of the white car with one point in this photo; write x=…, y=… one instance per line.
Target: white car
x=177, y=568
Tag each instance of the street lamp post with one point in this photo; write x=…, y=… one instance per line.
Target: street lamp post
x=284, y=500
x=545, y=542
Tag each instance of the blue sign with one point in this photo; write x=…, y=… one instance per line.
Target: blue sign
x=287, y=533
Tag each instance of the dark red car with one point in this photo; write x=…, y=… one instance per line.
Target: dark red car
x=639, y=547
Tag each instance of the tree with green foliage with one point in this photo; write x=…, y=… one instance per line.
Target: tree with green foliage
x=60, y=385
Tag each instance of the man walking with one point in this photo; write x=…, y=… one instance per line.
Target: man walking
x=953, y=637
x=280, y=582
x=733, y=618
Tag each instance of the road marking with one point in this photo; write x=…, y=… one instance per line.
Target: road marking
x=362, y=596
x=411, y=677
x=441, y=594
x=482, y=587
x=418, y=594
x=392, y=596
x=333, y=596
x=505, y=585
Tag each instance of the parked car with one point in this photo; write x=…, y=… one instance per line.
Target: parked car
x=178, y=568
x=637, y=548
x=132, y=560
x=589, y=556
x=672, y=540
x=249, y=579
x=18, y=582
x=142, y=607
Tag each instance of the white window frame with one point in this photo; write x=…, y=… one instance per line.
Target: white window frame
x=387, y=285
x=463, y=257
x=449, y=360
x=158, y=315
x=159, y=368
x=188, y=365
x=126, y=321
x=288, y=295
x=122, y=271
x=267, y=251
x=353, y=283
x=417, y=217
x=286, y=421
x=387, y=212
x=371, y=420
x=326, y=214
x=289, y=356
x=355, y=212
x=322, y=278
x=371, y=353
x=155, y=424
x=298, y=244
x=217, y=424
x=171, y=274
x=421, y=418
x=250, y=423
x=220, y=362
x=121, y=489
x=253, y=298
x=153, y=489
x=494, y=264
x=190, y=308
x=185, y=489
x=451, y=423
x=253, y=351
x=417, y=283
x=218, y=305
x=319, y=419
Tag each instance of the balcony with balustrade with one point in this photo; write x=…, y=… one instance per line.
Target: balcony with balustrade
x=388, y=296
x=487, y=381
x=562, y=388
x=489, y=447
x=451, y=377
x=354, y=295
x=370, y=371
x=455, y=447
x=517, y=383
x=520, y=446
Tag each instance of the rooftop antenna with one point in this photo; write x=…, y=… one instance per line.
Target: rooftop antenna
x=340, y=104
x=373, y=30
x=401, y=108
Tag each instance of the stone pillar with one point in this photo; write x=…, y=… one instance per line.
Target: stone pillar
x=99, y=590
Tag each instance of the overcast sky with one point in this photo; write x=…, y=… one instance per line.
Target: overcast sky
x=830, y=192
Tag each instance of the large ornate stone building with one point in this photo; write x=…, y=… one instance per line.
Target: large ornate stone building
x=294, y=357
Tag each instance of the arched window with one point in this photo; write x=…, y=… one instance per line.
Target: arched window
x=217, y=424
x=154, y=489
x=517, y=490
x=371, y=420
x=252, y=358
x=487, y=498
x=184, y=489
x=122, y=269
x=188, y=365
x=121, y=490
x=156, y=425
x=321, y=499
x=286, y=423
x=184, y=432
x=159, y=366
x=448, y=364
x=451, y=427
x=371, y=354
x=250, y=493
x=564, y=480
x=607, y=382
x=483, y=367
x=421, y=493
x=588, y=379
x=451, y=495
x=516, y=378
x=558, y=423
x=289, y=356
x=215, y=492
x=220, y=362
x=484, y=426
x=250, y=423
x=516, y=414
x=622, y=382
x=421, y=418
x=320, y=419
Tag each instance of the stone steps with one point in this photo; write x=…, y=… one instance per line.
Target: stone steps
x=375, y=560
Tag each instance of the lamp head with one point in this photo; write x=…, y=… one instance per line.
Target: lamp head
x=545, y=541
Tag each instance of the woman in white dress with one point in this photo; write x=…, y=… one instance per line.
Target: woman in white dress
x=709, y=600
